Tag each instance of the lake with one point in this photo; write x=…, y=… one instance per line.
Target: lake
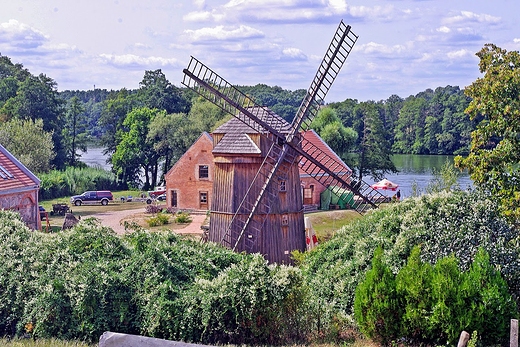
x=418, y=168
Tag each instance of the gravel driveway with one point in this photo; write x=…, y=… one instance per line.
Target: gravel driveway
x=115, y=219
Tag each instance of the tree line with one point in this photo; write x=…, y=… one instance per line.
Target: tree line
x=149, y=128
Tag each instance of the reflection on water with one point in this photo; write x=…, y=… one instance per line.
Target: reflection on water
x=418, y=168
x=94, y=157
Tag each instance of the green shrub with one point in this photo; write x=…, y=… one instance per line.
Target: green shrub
x=183, y=217
x=413, y=285
x=72, y=181
x=376, y=305
x=158, y=219
x=248, y=303
x=436, y=302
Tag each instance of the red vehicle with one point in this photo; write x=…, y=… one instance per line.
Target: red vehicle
x=155, y=194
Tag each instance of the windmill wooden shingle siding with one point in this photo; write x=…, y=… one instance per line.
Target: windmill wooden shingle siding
x=19, y=189
x=239, y=151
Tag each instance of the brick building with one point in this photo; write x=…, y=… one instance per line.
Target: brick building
x=19, y=189
x=189, y=183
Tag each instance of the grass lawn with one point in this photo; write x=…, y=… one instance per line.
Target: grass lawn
x=325, y=223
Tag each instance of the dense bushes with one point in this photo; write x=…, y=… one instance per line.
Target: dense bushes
x=82, y=282
x=455, y=223
x=72, y=181
x=428, y=303
x=79, y=283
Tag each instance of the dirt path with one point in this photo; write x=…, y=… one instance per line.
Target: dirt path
x=115, y=220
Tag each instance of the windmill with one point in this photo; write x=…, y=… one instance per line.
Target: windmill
x=262, y=212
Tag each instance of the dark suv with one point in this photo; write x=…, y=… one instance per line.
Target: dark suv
x=101, y=196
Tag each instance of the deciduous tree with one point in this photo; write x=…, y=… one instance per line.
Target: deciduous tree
x=494, y=158
x=29, y=143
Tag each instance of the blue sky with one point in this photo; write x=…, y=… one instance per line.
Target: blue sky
x=404, y=46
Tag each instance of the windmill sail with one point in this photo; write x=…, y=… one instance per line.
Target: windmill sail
x=286, y=146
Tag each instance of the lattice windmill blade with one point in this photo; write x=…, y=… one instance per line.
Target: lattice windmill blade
x=338, y=51
x=331, y=172
x=207, y=83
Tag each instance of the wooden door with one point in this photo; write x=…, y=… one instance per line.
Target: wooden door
x=174, y=198
x=307, y=195
x=203, y=200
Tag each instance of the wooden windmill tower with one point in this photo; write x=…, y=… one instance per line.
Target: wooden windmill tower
x=257, y=204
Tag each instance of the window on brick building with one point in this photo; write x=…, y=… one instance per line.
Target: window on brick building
x=203, y=171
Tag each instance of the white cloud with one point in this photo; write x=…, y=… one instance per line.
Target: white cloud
x=467, y=16
x=461, y=53
x=21, y=35
x=516, y=40
x=203, y=16
x=294, y=53
x=379, y=12
x=224, y=33
x=131, y=60
x=373, y=47
x=444, y=29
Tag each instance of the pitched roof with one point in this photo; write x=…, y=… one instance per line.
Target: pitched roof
x=315, y=140
x=263, y=113
x=236, y=139
x=14, y=176
x=205, y=136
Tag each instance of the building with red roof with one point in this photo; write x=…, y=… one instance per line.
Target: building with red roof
x=311, y=188
x=19, y=189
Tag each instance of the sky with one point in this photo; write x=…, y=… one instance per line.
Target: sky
x=404, y=46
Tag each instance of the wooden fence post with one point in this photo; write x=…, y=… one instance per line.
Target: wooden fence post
x=513, y=337
x=463, y=339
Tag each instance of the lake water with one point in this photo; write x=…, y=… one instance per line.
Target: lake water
x=418, y=168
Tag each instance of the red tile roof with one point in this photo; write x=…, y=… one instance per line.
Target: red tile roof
x=325, y=152
x=14, y=176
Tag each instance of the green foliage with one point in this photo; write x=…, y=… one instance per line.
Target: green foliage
x=340, y=138
x=495, y=146
x=72, y=181
x=135, y=151
x=248, y=303
x=444, y=179
x=29, y=143
x=374, y=147
x=437, y=301
x=449, y=223
x=376, y=305
x=158, y=219
x=182, y=217
x=284, y=103
x=413, y=285
x=74, y=130
x=24, y=96
x=81, y=282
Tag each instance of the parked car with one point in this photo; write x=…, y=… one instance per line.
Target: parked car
x=162, y=197
x=101, y=196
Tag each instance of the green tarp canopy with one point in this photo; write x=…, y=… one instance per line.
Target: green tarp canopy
x=344, y=198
